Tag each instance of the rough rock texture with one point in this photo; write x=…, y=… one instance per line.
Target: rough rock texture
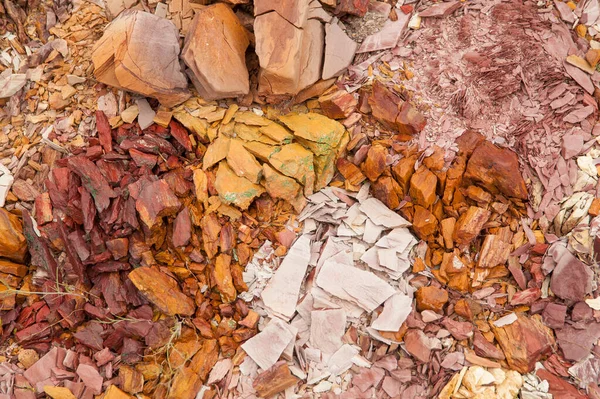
x=339, y=51
x=12, y=241
x=215, y=52
x=431, y=298
x=123, y=59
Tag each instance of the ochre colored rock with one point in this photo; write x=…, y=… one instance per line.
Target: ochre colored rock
x=403, y=171
x=338, y=104
x=242, y=162
x=216, y=151
x=59, y=392
x=409, y=120
x=274, y=380
x=13, y=245
x=385, y=105
x=280, y=186
x=354, y=7
x=113, y=392
x=416, y=344
x=376, y=162
x=279, y=50
x=222, y=276
x=215, y=52
x=424, y=222
x=524, y=342
x=469, y=225
x=185, y=384
x=316, y=132
x=122, y=57
x=431, y=298
x=422, y=187
x=497, y=169
x=297, y=162
x=235, y=190
x=350, y=171
x=386, y=190
x=162, y=291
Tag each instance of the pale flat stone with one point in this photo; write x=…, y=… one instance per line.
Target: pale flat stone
x=266, y=347
x=339, y=51
x=312, y=53
x=395, y=311
x=327, y=328
x=294, y=11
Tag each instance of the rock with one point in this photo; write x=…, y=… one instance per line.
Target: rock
x=424, y=222
x=215, y=51
x=274, y=380
x=339, y=51
x=497, y=170
x=338, y=104
x=441, y=9
x=410, y=121
x=559, y=388
x=13, y=245
x=571, y=278
x=24, y=191
x=59, y=392
x=295, y=161
x=123, y=59
x=182, y=228
x=431, y=298
x=280, y=186
x=293, y=11
x=235, y=190
x=185, y=385
x=524, y=342
x=350, y=171
x=162, y=291
x=469, y=225
x=415, y=342
x=28, y=357
x=242, y=162
x=113, y=392
x=132, y=381
x=386, y=190
x=319, y=134
x=13, y=268
x=115, y=7
x=222, y=276
x=376, y=162
x=354, y=7
x=577, y=343
x=423, y=184
x=485, y=348
x=459, y=329
x=554, y=315
x=90, y=377
x=389, y=109
x=155, y=201
x=279, y=49
x=311, y=60
x=216, y=151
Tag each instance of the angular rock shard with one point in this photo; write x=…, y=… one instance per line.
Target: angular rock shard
x=339, y=51
x=122, y=57
x=12, y=241
x=235, y=190
x=215, y=52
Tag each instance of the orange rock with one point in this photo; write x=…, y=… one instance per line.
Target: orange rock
x=113, y=392
x=375, y=163
x=469, y=225
x=435, y=161
x=462, y=308
x=12, y=241
x=497, y=169
x=478, y=194
x=162, y=290
x=494, y=251
x=418, y=265
x=350, y=171
x=455, y=272
x=595, y=207
x=131, y=380
x=431, y=298
x=385, y=105
x=593, y=57
x=403, y=171
x=386, y=190
x=468, y=141
x=447, y=227
x=409, y=121
x=222, y=275
x=274, y=380
x=185, y=384
x=338, y=104
x=204, y=360
x=422, y=187
x=454, y=178
x=524, y=342
x=424, y=223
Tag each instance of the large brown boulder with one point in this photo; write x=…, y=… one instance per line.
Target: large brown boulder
x=215, y=53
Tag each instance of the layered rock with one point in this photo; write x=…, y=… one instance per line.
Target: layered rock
x=123, y=59
x=215, y=53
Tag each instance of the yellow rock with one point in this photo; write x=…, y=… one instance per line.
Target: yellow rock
x=200, y=185
x=235, y=190
x=216, y=151
x=250, y=118
x=260, y=150
x=319, y=133
x=112, y=392
x=193, y=124
x=59, y=392
x=242, y=162
x=295, y=161
x=277, y=132
x=222, y=276
x=280, y=186
x=252, y=133
x=185, y=384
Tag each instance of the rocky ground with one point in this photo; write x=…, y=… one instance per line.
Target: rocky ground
x=299, y=199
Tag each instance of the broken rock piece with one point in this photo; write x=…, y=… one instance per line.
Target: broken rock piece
x=274, y=380
x=431, y=298
x=235, y=190
x=215, y=52
x=266, y=347
x=122, y=57
x=156, y=201
x=162, y=291
x=12, y=241
x=339, y=51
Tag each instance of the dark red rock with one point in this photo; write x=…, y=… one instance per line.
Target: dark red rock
x=559, y=388
x=156, y=200
x=554, y=315
x=484, y=348
x=571, y=278
x=409, y=120
x=182, y=228
x=581, y=312
x=104, y=131
x=526, y=297
x=93, y=181
x=180, y=134
x=354, y=7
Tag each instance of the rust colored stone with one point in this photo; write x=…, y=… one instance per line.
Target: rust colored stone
x=375, y=164
x=274, y=380
x=403, y=171
x=156, y=201
x=354, y=7
x=431, y=298
x=13, y=245
x=387, y=191
x=595, y=207
x=409, y=120
x=338, y=104
x=350, y=171
x=422, y=187
x=223, y=279
x=424, y=222
x=469, y=225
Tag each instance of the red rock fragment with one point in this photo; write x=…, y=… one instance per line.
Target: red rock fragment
x=571, y=278
x=485, y=348
x=180, y=134
x=90, y=377
x=460, y=330
x=554, y=315
x=350, y=171
x=469, y=225
x=118, y=247
x=415, y=343
x=526, y=297
x=93, y=180
x=104, y=131
x=338, y=104
x=409, y=120
x=143, y=159
x=354, y=7
x=524, y=342
x=392, y=112
x=274, y=380
x=182, y=228
x=155, y=201
x=559, y=388
x=497, y=169
x=441, y=9
x=576, y=342
x=375, y=163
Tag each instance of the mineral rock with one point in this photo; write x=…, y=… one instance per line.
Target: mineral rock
x=311, y=59
x=13, y=245
x=354, y=7
x=338, y=104
x=469, y=225
x=215, y=52
x=571, y=278
x=350, y=171
x=122, y=57
x=424, y=222
x=376, y=161
x=339, y=51
x=293, y=11
x=235, y=190
x=274, y=380
x=431, y=298
x=162, y=291
x=156, y=201
x=422, y=187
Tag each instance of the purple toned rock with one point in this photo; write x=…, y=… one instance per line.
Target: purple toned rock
x=571, y=279
x=554, y=315
x=576, y=344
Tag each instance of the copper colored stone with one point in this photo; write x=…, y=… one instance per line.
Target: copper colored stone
x=409, y=120
x=422, y=187
x=469, y=225
x=431, y=298
x=12, y=241
x=375, y=163
x=424, y=222
x=350, y=171
x=274, y=380
x=354, y=7
x=403, y=171
x=338, y=104
x=387, y=191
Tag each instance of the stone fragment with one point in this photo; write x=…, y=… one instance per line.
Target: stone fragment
x=13, y=245
x=28, y=357
x=354, y=7
x=235, y=190
x=156, y=201
x=554, y=315
x=316, y=132
x=387, y=191
x=441, y=9
x=403, y=171
x=182, y=228
x=376, y=162
x=293, y=11
x=279, y=49
x=559, y=388
x=416, y=344
x=389, y=109
x=431, y=298
x=216, y=151
x=409, y=120
x=222, y=276
x=571, y=278
x=423, y=184
x=59, y=392
x=524, y=342
x=132, y=381
x=24, y=191
x=350, y=171
x=485, y=348
x=266, y=347
x=185, y=384
x=497, y=169
x=327, y=328
x=295, y=161
x=577, y=343
x=274, y=380
x=115, y=7
x=338, y=104
x=162, y=291
x=215, y=52
x=280, y=186
x=113, y=392
x=459, y=329
x=339, y=51
x=469, y=225
x=242, y=162
x=424, y=222
x=311, y=59
x=123, y=59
